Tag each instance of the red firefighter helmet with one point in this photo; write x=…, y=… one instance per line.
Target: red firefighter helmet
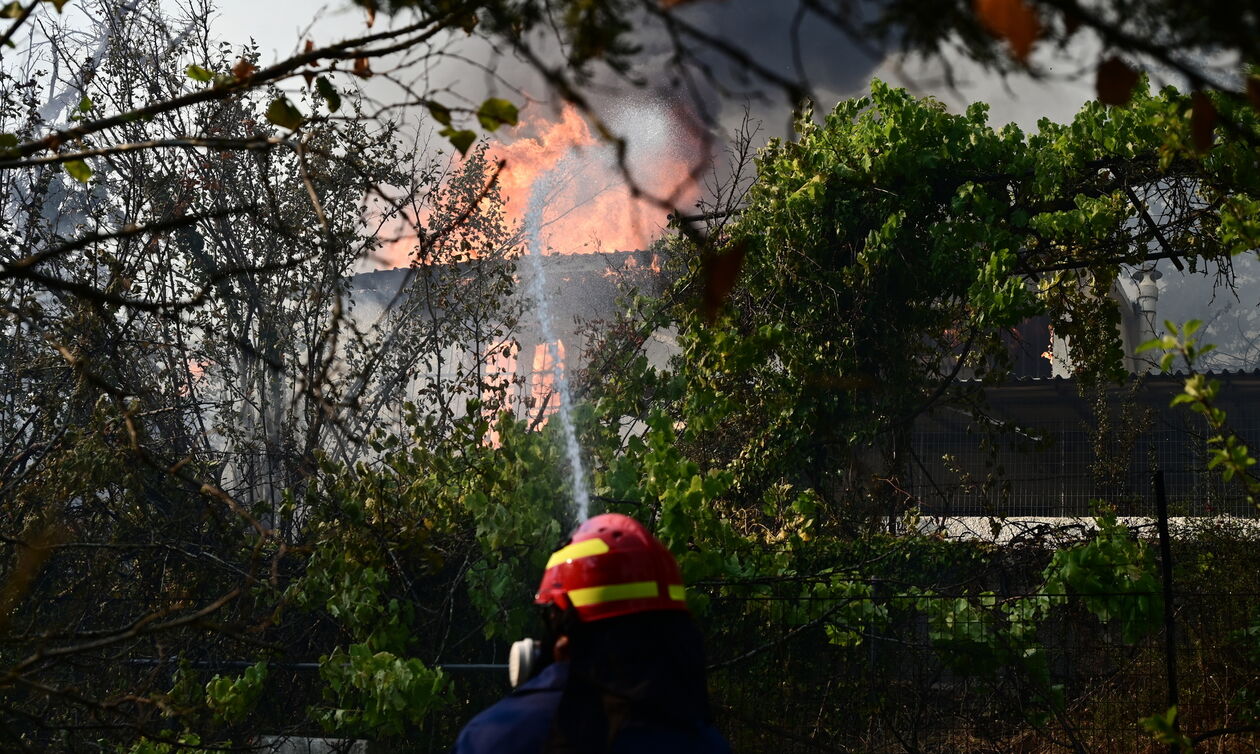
x=612, y=566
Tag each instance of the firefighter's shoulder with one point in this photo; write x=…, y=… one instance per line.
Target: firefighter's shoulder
x=520, y=722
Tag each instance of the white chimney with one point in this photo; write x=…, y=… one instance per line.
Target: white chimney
x=1147, y=299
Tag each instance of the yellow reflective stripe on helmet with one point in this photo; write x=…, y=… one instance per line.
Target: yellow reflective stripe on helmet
x=597, y=595
x=677, y=593
x=583, y=549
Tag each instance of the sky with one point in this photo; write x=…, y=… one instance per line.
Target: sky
x=837, y=72
x=279, y=27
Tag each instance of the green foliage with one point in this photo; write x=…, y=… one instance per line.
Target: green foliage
x=893, y=243
x=370, y=684
x=495, y=112
x=376, y=692
x=197, y=73
x=887, y=244
x=329, y=92
x=1113, y=575
x=460, y=138
x=1163, y=728
x=284, y=114
x=231, y=699
x=172, y=743
x=78, y=170
x=1226, y=449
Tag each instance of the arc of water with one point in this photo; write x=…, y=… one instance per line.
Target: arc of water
x=538, y=196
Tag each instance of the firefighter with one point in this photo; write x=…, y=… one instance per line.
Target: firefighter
x=621, y=668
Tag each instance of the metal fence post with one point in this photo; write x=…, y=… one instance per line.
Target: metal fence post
x=1165, y=556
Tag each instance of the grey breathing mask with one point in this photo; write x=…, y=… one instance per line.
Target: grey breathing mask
x=524, y=661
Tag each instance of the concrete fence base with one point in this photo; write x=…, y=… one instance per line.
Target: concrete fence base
x=303, y=745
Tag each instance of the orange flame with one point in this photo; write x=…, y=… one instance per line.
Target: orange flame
x=591, y=207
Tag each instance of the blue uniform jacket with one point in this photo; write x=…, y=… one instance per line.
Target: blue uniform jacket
x=520, y=723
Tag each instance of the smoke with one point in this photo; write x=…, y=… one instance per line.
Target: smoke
x=787, y=38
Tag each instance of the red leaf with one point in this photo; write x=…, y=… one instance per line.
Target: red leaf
x=243, y=69
x=1013, y=20
x=720, y=273
x=1202, y=121
x=361, y=68
x=310, y=47
x=1116, y=81
x=1253, y=92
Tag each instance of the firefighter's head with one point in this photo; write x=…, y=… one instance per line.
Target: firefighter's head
x=612, y=566
x=617, y=613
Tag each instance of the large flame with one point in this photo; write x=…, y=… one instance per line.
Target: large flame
x=591, y=206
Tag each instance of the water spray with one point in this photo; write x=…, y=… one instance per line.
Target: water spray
x=538, y=292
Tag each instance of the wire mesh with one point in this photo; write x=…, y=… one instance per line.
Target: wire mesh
x=1058, y=470
x=902, y=690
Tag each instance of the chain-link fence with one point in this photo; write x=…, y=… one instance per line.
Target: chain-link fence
x=937, y=674
x=900, y=692
x=1059, y=469
x=922, y=658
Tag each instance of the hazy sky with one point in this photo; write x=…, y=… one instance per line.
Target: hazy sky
x=279, y=25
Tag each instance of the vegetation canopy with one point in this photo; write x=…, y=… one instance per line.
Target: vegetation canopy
x=237, y=501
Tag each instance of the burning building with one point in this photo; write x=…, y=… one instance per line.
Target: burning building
x=1039, y=448
x=583, y=290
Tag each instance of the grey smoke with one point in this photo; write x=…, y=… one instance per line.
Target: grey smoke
x=786, y=38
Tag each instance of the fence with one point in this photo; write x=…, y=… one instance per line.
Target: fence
x=900, y=692
x=911, y=665
x=1053, y=470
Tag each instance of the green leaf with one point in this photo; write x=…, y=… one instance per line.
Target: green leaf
x=460, y=139
x=284, y=114
x=329, y=93
x=85, y=104
x=440, y=113
x=8, y=144
x=496, y=112
x=58, y=4
x=78, y=170
x=197, y=73
x=1163, y=728
x=12, y=10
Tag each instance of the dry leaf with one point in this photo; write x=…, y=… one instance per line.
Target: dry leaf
x=371, y=17
x=310, y=47
x=243, y=69
x=1071, y=22
x=361, y=68
x=1115, y=82
x=847, y=382
x=1202, y=121
x=31, y=556
x=1013, y=20
x=1253, y=92
x=720, y=273
x=309, y=76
